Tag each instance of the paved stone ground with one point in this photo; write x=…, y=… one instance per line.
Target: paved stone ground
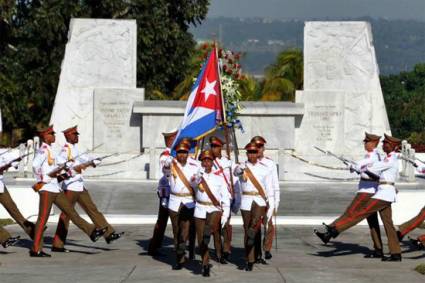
x=300, y=258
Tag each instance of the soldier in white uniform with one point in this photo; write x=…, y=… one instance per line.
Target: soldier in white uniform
x=268, y=237
x=257, y=190
x=366, y=189
x=223, y=167
x=212, y=209
x=76, y=192
x=47, y=174
x=387, y=172
x=163, y=192
x=5, y=238
x=181, y=205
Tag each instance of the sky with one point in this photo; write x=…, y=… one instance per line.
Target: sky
x=314, y=9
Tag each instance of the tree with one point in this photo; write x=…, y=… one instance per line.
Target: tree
x=284, y=77
x=37, y=32
x=404, y=96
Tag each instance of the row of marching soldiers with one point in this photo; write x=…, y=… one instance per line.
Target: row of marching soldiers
x=199, y=196
x=60, y=182
x=376, y=193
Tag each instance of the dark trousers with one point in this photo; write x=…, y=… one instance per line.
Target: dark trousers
x=411, y=224
x=181, y=222
x=212, y=221
x=367, y=209
x=60, y=200
x=357, y=203
x=159, y=230
x=85, y=201
x=252, y=225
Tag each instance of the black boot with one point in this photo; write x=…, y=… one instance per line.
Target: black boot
x=268, y=255
x=97, y=233
x=393, y=257
x=325, y=237
x=114, y=236
x=10, y=242
x=399, y=236
x=221, y=260
x=226, y=256
x=206, y=271
x=178, y=266
x=39, y=254
x=261, y=261
x=417, y=244
x=375, y=254
x=249, y=266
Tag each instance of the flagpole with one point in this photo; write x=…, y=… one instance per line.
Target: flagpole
x=226, y=129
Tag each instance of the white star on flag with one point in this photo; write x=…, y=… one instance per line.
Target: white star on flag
x=209, y=89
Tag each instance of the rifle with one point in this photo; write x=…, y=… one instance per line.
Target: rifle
x=86, y=164
x=8, y=164
x=340, y=158
x=409, y=160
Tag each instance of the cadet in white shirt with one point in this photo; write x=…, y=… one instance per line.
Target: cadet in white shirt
x=47, y=174
x=181, y=205
x=223, y=167
x=269, y=236
x=212, y=209
x=257, y=190
x=163, y=191
x=366, y=189
x=387, y=172
x=76, y=192
x=6, y=161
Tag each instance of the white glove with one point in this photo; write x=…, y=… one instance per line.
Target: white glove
x=276, y=205
x=69, y=164
x=15, y=164
x=96, y=162
x=223, y=220
x=270, y=211
x=238, y=171
x=168, y=161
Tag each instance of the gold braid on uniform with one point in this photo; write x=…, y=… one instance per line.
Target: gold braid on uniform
x=315, y=164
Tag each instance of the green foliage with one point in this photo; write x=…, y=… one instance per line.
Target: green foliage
x=284, y=77
x=404, y=96
x=33, y=45
x=420, y=268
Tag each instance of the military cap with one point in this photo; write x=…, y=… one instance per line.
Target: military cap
x=251, y=147
x=186, y=140
x=258, y=140
x=170, y=133
x=46, y=130
x=206, y=154
x=392, y=140
x=70, y=131
x=371, y=137
x=182, y=147
x=216, y=141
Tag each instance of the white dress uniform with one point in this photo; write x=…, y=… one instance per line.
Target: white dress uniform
x=44, y=163
x=70, y=151
x=262, y=174
x=366, y=185
x=219, y=189
x=221, y=167
x=388, y=171
x=177, y=187
x=275, y=179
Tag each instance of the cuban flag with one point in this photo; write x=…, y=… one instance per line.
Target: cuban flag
x=204, y=109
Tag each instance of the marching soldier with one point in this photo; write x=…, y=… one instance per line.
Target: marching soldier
x=413, y=223
x=410, y=225
x=212, y=209
x=257, y=190
x=222, y=166
x=381, y=201
x=181, y=205
x=366, y=189
x=5, y=238
x=163, y=192
x=76, y=192
x=269, y=234
x=47, y=175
